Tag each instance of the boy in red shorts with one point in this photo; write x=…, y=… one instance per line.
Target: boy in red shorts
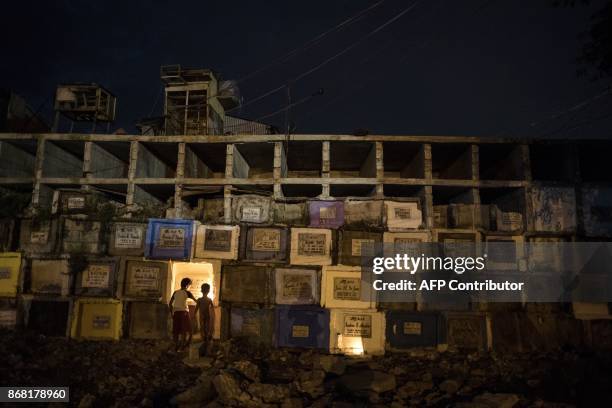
x=181, y=321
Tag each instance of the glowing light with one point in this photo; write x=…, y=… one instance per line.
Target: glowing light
x=198, y=272
x=350, y=345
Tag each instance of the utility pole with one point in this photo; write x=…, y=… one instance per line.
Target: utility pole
x=287, y=111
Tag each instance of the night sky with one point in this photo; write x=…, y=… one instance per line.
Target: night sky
x=477, y=67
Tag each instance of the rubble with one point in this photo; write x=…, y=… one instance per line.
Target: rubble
x=270, y=393
x=330, y=364
x=449, y=386
x=247, y=369
x=311, y=383
x=141, y=373
x=376, y=381
x=497, y=400
x=229, y=389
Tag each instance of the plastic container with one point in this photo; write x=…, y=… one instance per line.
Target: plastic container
x=217, y=242
x=99, y=278
x=342, y=287
x=402, y=215
x=302, y=327
x=97, y=319
x=247, y=284
x=10, y=265
x=326, y=214
x=39, y=239
x=290, y=213
x=311, y=246
x=50, y=277
x=363, y=213
x=169, y=239
x=357, y=332
x=127, y=239
x=351, y=244
x=145, y=279
x=251, y=209
x=78, y=201
x=500, y=257
x=265, y=244
x=257, y=325
x=402, y=238
x=296, y=286
x=412, y=329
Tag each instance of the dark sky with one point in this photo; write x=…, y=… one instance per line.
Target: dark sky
x=472, y=67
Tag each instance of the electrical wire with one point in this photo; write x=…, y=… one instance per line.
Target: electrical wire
x=313, y=41
x=309, y=44
x=332, y=58
x=579, y=106
x=574, y=109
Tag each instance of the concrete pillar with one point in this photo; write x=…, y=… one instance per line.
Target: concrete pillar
x=280, y=168
x=87, y=164
x=129, y=199
x=38, y=170
x=178, y=186
x=325, y=170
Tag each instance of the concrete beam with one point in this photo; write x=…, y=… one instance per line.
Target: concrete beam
x=269, y=138
x=475, y=163
x=38, y=171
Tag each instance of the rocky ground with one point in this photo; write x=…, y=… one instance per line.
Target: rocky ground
x=132, y=373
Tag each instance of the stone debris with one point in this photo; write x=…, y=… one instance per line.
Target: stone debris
x=376, y=381
x=148, y=374
x=330, y=364
x=497, y=400
x=449, y=386
x=270, y=393
x=247, y=369
x=311, y=383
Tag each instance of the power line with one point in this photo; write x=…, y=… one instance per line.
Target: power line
x=313, y=41
x=309, y=44
x=356, y=43
x=421, y=46
x=574, y=109
x=576, y=125
x=333, y=57
x=342, y=94
x=579, y=106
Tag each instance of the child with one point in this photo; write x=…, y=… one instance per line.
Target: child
x=207, y=318
x=181, y=322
